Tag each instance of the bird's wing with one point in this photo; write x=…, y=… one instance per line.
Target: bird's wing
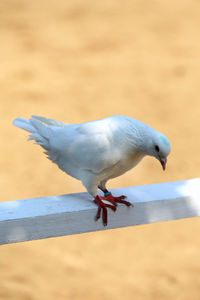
x=86, y=146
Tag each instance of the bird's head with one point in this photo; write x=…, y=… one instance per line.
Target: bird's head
x=159, y=147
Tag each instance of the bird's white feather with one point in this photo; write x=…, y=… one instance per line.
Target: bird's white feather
x=50, y=121
x=23, y=124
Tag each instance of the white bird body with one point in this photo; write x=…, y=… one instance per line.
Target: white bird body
x=95, y=151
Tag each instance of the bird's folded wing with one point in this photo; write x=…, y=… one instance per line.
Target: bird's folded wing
x=86, y=149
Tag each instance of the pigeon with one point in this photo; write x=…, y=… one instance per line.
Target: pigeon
x=96, y=151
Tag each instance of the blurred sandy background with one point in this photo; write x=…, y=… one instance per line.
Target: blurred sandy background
x=77, y=61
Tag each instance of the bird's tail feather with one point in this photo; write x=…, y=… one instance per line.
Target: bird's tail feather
x=23, y=124
x=39, y=132
x=50, y=121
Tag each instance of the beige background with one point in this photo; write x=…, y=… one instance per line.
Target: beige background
x=77, y=61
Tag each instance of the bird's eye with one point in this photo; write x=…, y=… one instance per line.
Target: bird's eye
x=157, y=148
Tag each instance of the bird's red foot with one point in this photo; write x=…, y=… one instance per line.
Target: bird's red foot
x=103, y=206
x=114, y=200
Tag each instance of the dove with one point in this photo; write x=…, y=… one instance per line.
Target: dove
x=96, y=151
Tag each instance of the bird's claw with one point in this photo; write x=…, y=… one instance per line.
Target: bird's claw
x=103, y=206
x=120, y=199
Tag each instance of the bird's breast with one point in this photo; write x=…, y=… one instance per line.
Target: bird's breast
x=123, y=166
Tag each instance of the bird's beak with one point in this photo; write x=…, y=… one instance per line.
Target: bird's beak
x=163, y=162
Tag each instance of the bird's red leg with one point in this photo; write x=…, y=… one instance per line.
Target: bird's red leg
x=114, y=200
x=103, y=206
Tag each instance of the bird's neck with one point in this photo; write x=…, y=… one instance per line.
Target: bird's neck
x=136, y=136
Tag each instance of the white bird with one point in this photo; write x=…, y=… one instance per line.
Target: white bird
x=97, y=151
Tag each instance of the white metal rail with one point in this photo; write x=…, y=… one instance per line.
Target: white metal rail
x=40, y=218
